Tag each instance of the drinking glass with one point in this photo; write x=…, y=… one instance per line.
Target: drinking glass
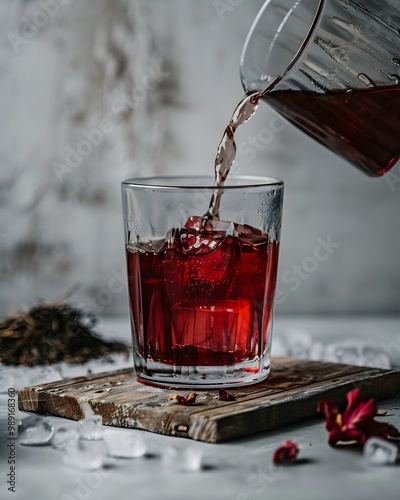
x=201, y=291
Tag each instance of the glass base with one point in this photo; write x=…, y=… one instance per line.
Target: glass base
x=203, y=377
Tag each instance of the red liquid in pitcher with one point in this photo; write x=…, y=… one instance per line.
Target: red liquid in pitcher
x=363, y=126
x=206, y=294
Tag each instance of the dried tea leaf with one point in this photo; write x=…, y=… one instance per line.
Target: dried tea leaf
x=226, y=396
x=53, y=332
x=183, y=400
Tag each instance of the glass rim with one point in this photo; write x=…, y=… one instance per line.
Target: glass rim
x=171, y=182
x=296, y=56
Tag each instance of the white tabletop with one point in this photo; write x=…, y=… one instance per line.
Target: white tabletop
x=238, y=470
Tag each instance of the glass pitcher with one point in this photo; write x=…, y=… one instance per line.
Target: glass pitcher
x=332, y=68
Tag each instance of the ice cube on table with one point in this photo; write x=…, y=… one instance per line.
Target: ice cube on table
x=355, y=353
x=80, y=456
x=293, y=342
x=34, y=430
x=17, y=376
x=46, y=375
x=317, y=351
x=64, y=437
x=345, y=353
x=379, y=451
x=375, y=357
x=182, y=459
x=91, y=428
x=6, y=382
x=125, y=445
x=98, y=446
x=298, y=343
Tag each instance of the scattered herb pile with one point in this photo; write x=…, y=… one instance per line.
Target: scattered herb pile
x=52, y=332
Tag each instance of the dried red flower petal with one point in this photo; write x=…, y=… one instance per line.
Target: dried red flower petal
x=183, y=400
x=286, y=454
x=225, y=396
x=357, y=421
x=190, y=399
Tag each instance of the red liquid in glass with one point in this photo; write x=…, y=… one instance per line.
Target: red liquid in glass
x=363, y=126
x=206, y=295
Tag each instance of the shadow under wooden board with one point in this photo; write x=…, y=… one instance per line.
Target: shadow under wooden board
x=289, y=395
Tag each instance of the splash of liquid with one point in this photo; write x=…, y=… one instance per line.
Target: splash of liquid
x=226, y=151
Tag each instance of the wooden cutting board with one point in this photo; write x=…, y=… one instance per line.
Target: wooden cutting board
x=289, y=395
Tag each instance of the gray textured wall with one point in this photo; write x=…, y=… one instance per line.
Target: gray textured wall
x=85, y=65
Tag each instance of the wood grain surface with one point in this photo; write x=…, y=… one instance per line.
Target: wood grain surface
x=289, y=395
